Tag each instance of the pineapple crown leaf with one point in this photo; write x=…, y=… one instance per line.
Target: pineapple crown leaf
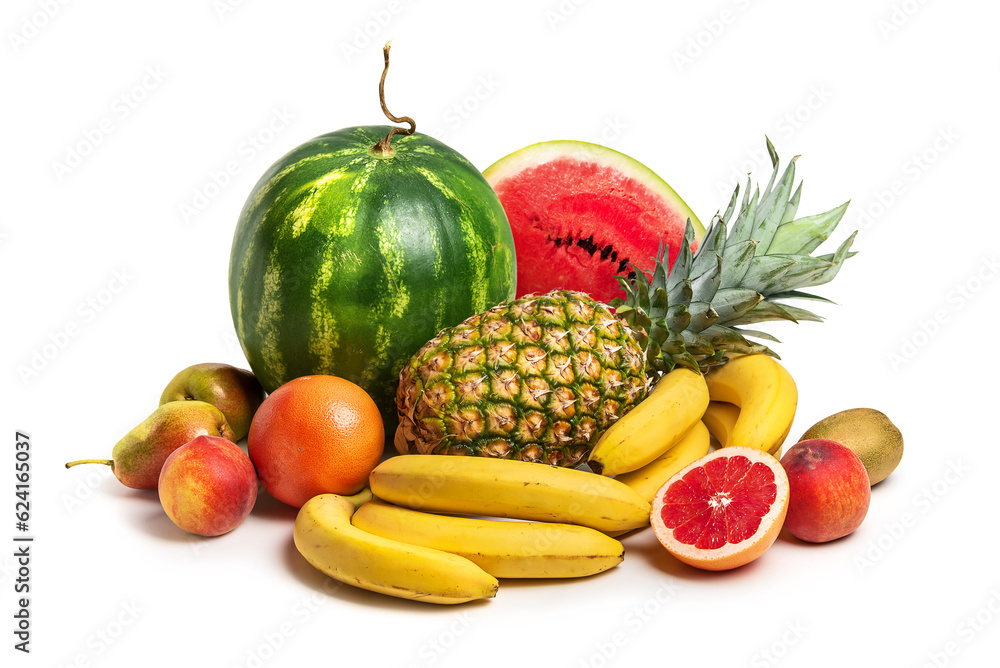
x=758, y=334
x=803, y=236
x=798, y=294
x=771, y=151
x=691, y=315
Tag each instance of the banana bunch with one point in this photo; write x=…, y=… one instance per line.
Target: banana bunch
x=508, y=488
x=720, y=418
x=677, y=402
x=502, y=549
x=324, y=535
x=748, y=401
x=400, y=544
x=766, y=395
x=646, y=480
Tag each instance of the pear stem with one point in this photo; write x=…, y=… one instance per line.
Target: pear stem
x=106, y=462
x=383, y=148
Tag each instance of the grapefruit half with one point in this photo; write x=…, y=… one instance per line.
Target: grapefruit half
x=583, y=213
x=722, y=511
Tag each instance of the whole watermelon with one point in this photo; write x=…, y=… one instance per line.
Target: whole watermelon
x=346, y=262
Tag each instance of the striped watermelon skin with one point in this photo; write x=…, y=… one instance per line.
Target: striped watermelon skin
x=346, y=263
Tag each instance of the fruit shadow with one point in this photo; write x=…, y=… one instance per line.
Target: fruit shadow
x=157, y=524
x=785, y=536
x=142, y=495
x=319, y=582
x=653, y=552
x=884, y=484
x=152, y=520
x=269, y=508
x=527, y=583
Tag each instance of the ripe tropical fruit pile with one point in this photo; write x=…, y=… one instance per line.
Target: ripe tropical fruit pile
x=507, y=329
x=496, y=411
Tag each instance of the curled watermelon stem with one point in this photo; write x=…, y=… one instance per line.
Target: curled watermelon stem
x=383, y=148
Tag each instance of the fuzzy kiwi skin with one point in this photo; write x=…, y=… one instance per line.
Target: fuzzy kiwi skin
x=869, y=433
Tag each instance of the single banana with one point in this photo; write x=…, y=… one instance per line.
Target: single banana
x=766, y=395
x=677, y=402
x=501, y=548
x=508, y=488
x=648, y=480
x=720, y=418
x=324, y=535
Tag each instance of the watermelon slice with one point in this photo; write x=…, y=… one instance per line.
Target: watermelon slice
x=583, y=214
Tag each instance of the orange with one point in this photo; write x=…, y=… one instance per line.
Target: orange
x=315, y=435
x=723, y=510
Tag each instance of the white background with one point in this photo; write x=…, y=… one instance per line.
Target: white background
x=890, y=103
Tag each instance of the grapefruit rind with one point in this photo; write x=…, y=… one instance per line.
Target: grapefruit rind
x=730, y=555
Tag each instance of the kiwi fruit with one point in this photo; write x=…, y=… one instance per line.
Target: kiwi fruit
x=869, y=433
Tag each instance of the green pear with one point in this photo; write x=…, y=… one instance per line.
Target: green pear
x=233, y=391
x=138, y=457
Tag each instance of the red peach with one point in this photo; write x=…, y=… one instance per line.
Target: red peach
x=828, y=490
x=208, y=486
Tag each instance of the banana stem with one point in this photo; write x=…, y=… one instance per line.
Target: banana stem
x=106, y=462
x=382, y=148
x=361, y=498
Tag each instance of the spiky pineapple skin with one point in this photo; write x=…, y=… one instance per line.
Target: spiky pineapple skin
x=536, y=379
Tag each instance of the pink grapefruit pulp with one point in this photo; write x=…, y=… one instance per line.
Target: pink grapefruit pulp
x=722, y=511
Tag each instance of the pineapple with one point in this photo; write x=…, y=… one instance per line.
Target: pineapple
x=541, y=377
x=537, y=379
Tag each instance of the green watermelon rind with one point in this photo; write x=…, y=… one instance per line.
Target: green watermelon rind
x=542, y=152
x=346, y=263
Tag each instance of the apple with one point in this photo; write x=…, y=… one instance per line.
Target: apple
x=829, y=490
x=208, y=486
x=233, y=391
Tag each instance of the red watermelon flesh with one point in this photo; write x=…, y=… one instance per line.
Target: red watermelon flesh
x=582, y=214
